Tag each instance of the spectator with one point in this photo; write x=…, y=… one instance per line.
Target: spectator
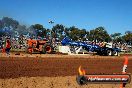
x=8, y=47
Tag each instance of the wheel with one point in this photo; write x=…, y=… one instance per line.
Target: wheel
x=109, y=52
x=115, y=53
x=29, y=50
x=99, y=53
x=47, y=48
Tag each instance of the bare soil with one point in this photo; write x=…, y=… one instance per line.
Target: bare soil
x=56, y=71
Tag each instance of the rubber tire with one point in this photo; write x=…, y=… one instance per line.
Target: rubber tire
x=44, y=51
x=100, y=53
x=27, y=50
x=109, y=52
x=115, y=53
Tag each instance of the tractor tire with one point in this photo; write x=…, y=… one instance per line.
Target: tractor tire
x=28, y=50
x=47, y=48
x=109, y=52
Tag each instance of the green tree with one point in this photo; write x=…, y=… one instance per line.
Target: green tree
x=48, y=31
x=74, y=33
x=128, y=37
x=116, y=37
x=99, y=34
x=67, y=31
x=57, y=31
x=40, y=30
x=82, y=34
x=1, y=24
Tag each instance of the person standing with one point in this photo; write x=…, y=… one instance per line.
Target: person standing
x=8, y=47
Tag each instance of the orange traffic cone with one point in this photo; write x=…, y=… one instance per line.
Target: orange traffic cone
x=124, y=70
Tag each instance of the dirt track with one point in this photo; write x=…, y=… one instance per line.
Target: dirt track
x=59, y=65
x=31, y=71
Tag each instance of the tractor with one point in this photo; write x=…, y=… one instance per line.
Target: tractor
x=41, y=46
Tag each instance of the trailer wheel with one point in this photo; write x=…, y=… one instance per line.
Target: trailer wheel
x=115, y=53
x=47, y=48
x=109, y=52
x=99, y=53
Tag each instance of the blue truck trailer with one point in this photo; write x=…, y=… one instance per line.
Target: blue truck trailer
x=77, y=45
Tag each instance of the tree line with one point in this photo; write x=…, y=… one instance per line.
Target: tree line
x=9, y=26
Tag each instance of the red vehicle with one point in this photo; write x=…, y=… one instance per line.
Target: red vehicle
x=42, y=46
